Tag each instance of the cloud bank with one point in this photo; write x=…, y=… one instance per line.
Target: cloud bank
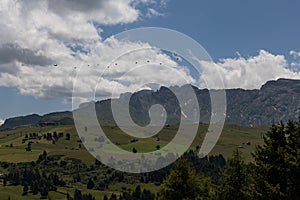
x=44, y=44
x=249, y=73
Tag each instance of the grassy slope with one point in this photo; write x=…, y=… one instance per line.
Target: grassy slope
x=232, y=137
x=62, y=147
x=15, y=193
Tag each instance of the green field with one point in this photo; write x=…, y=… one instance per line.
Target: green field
x=12, y=150
x=232, y=137
x=15, y=193
x=17, y=153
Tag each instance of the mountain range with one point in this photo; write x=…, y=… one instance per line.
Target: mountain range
x=275, y=101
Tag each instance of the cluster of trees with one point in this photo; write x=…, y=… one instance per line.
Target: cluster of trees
x=33, y=180
x=54, y=137
x=79, y=196
x=47, y=136
x=31, y=136
x=137, y=194
x=274, y=174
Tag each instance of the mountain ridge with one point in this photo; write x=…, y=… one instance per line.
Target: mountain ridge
x=276, y=100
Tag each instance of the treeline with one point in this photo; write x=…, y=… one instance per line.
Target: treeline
x=273, y=175
x=54, y=137
x=47, y=136
x=137, y=194
x=33, y=180
x=49, y=173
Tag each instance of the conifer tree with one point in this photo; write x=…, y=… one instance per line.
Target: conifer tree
x=277, y=165
x=184, y=184
x=235, y=183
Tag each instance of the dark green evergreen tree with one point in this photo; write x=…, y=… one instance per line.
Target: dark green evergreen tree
x=235, y=183
x=277, y=167
x=77, y=195
x=90, y=184
x=68, y=136
x=184, y=184
x=25, y=190
x=113, y=197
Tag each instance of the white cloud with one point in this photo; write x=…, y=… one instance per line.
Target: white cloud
x=157, y=3
x=295, y=54
x=153, y=13
x=35, y=36
x=248, y=73
x=1, y=122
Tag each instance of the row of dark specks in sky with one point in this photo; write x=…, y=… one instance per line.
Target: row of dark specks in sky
x=148, y=61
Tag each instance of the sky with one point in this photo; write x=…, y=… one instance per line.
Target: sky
x=42, y=41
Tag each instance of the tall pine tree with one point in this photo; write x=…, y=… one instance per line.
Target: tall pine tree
x=235, y=179
x=277, y=168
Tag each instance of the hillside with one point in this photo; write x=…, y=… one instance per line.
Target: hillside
x=273, y=102
x=13, y=147
x=57, y=118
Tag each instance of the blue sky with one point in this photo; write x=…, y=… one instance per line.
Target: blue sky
x=222, y=27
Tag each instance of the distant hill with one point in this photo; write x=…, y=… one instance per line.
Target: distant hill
x=57, y=118
x=274, y=101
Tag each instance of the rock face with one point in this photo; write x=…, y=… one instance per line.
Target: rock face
x=275, y=101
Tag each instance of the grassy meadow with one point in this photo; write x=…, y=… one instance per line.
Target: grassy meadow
x=232, y=137
x=12, y=150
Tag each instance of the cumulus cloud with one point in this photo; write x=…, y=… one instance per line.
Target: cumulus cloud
x=248, y=73
x=43, y=44
x=57, y=81
x=13, y=52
